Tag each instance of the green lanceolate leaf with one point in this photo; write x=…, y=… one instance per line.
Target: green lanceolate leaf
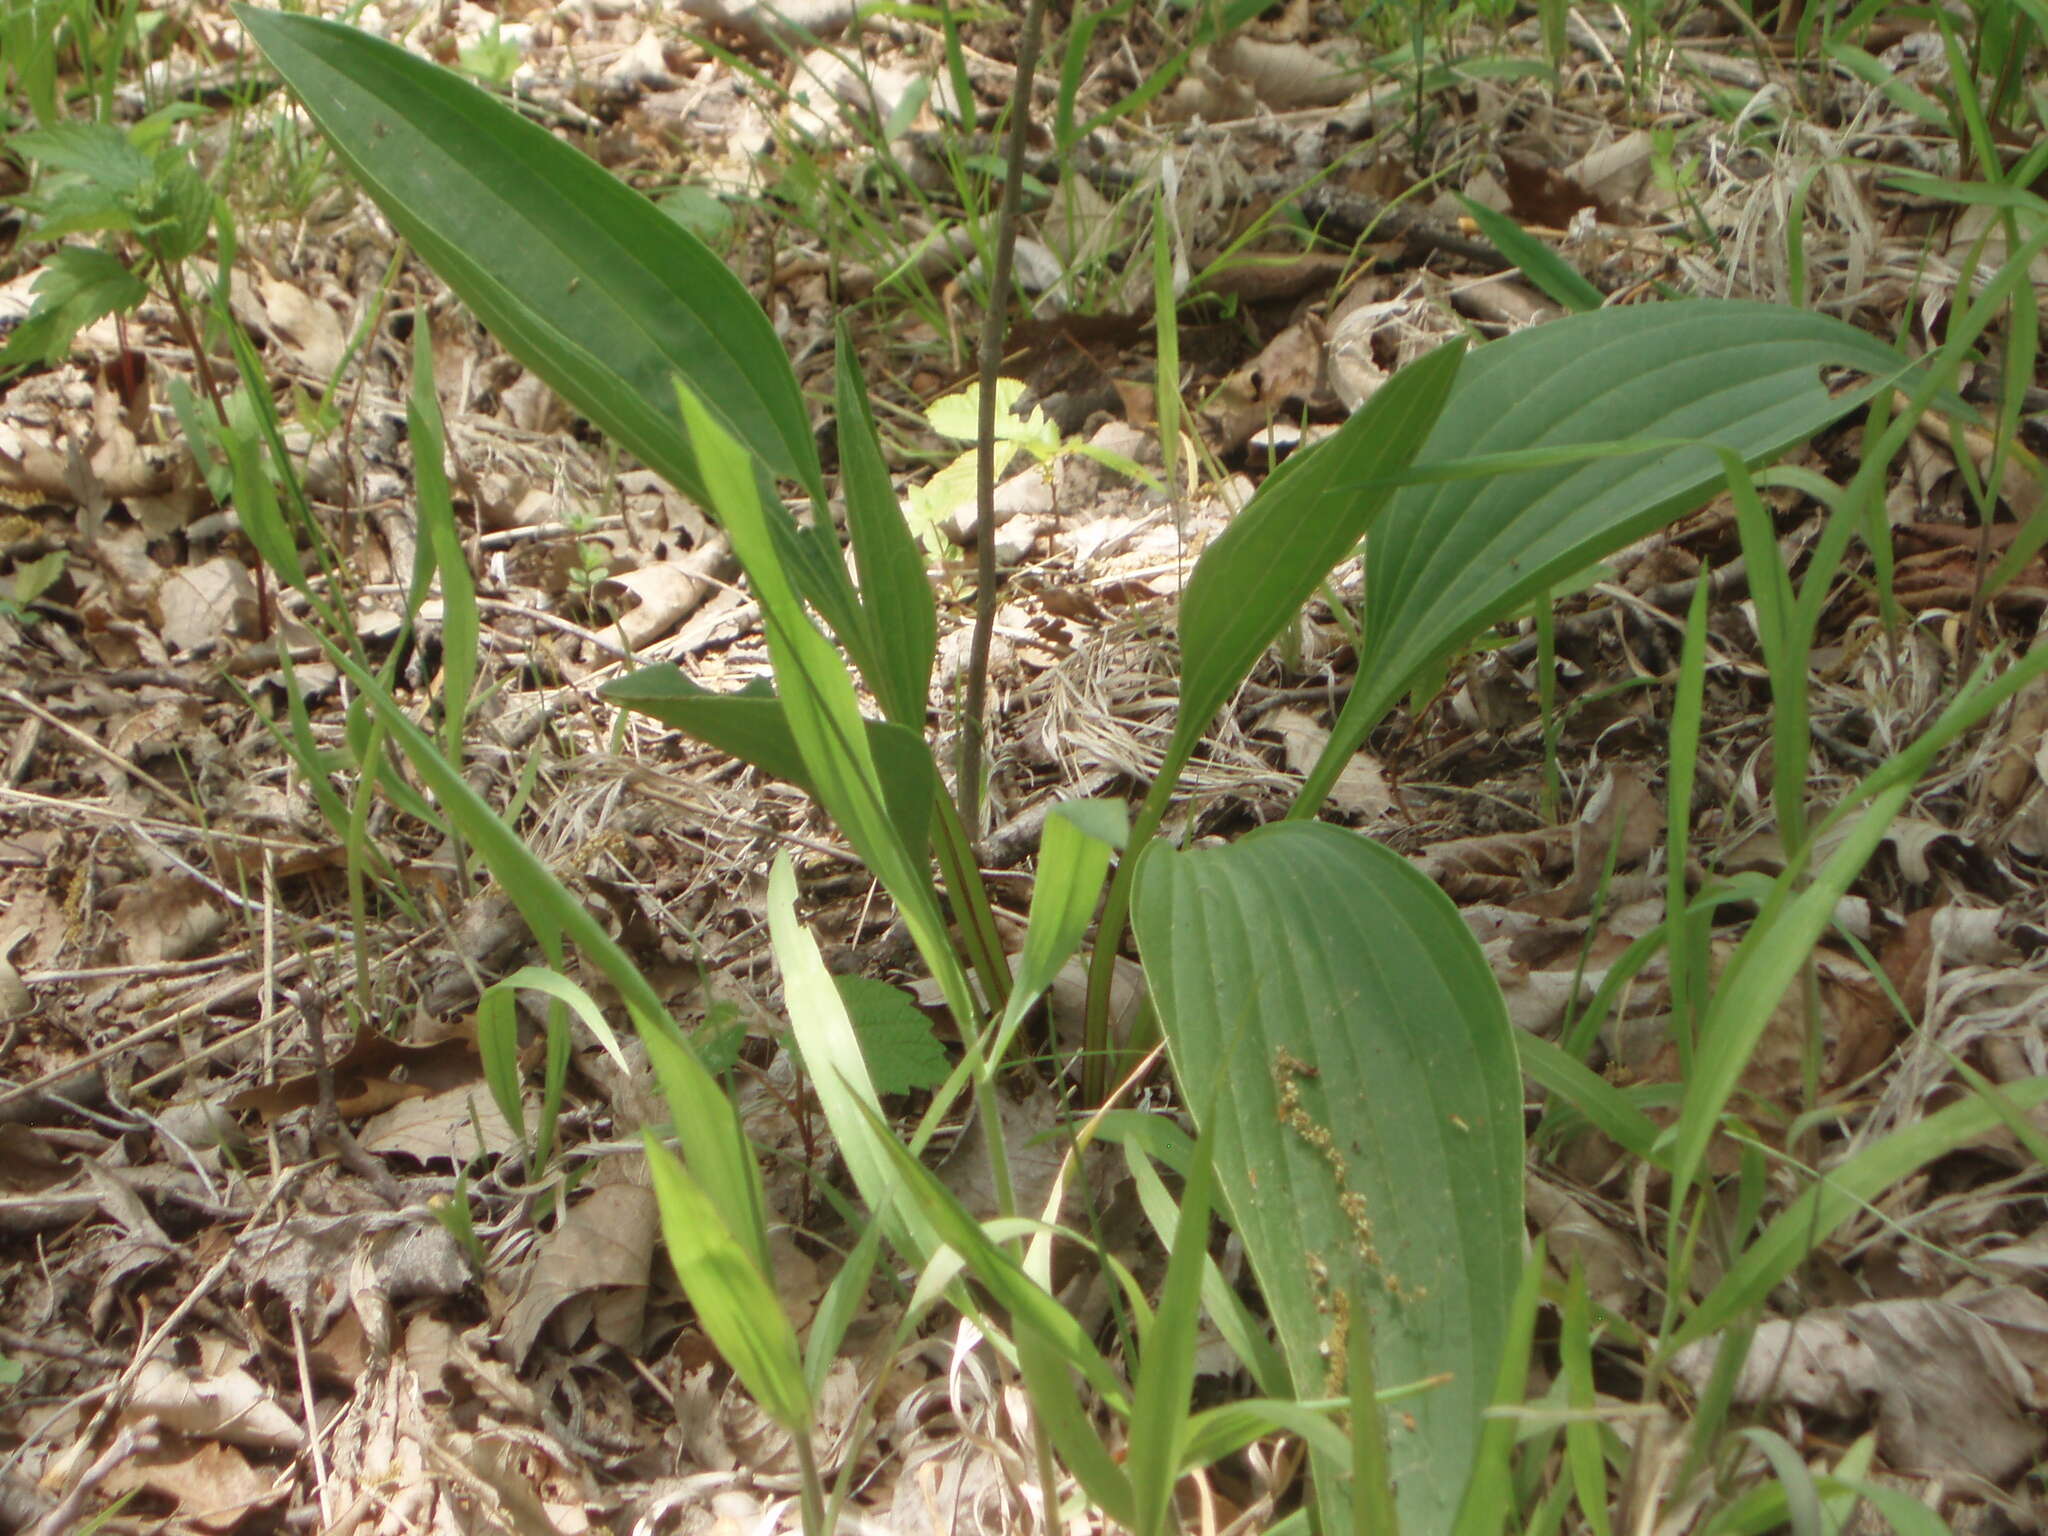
x=585, y=281
x=837, y=1067
x=1447, y=559
x=902, y=614
x=1081, y=836
x=1308, y=516
x=1538, y=262
x=735, y=1300
x=753, y=726
x=1329, y=1001
x=821, y=707
x=440, y=548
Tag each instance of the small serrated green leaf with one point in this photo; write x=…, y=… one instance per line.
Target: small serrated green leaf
x=896, y=1039
x=79, y=286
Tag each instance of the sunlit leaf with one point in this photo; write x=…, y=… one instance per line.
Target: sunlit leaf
x=585, y=281
x=1447, y=559
x=1330, y=1003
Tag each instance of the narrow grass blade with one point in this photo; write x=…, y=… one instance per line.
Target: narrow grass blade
x=1489, y=1496
x=717, y=1149
x=1228, y=1428
x=843, y=1301
x=1051, y=1344
x=1605, y=1106
x=1839, y=1194
x=1802, y=1499
x=1166, y=1370
x=1687, y=934
x=257, y=511
x=497, y=1043
x=1792, y=919
x=1373, y=1510
x=734, y=1299
x=1246, y=1335
x=561, y=989
x=1584, y=1454
x=1538, y=262
x=1786, y=651
x=896, y=597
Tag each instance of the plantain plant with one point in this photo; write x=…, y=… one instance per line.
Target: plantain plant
x=1335, y=1030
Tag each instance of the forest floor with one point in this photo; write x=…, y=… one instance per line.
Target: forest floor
x=240, y=1085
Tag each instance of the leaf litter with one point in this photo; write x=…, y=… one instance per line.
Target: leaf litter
x=227, y=1321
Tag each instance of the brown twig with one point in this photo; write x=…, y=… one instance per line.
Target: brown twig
x=993, y=329
x=353, y=1157
x=136, y=1439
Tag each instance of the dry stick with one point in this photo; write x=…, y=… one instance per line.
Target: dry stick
x=993, y=330
x=146, y=1350
x=314, y=1011
x=136, y=1439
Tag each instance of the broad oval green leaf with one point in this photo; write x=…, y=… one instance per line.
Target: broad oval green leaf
x=1368, y=1132
x=1447, y=559
x=585, y=281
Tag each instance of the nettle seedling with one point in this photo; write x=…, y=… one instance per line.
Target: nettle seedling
x=31, y=579
x=134, y=185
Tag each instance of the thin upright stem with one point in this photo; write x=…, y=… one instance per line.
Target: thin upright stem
x=994, y=327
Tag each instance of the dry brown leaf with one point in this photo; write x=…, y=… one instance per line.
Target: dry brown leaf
x=591, y=1272
x=1619, y=172
x=212, y=1485
x=1612, y=1262
x=29, y=1163
x=367, y=1076
x=1282, y=380
x=231, y=1405
x=1946, y=1390
x=167, y=917
x=1361, y=789
x=206, y=604
x=309, y=331
x=458, y=1124
x=1286, y=76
